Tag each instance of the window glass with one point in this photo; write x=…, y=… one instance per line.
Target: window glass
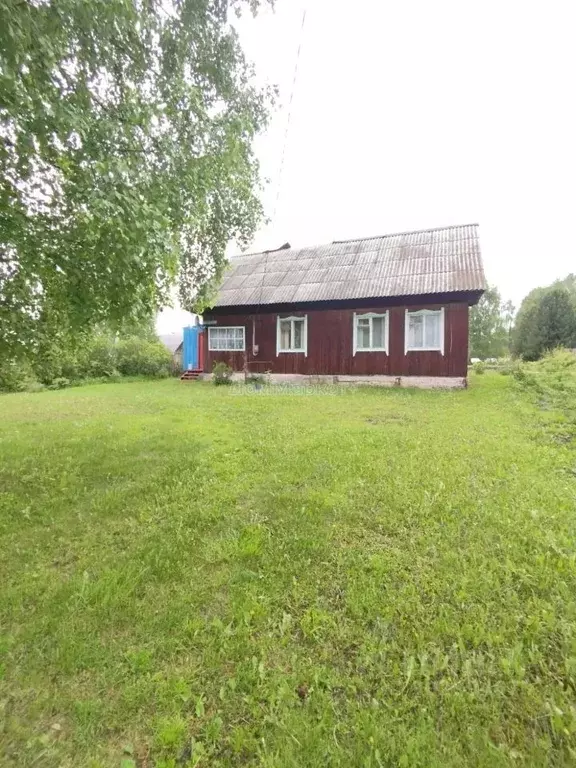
x=378, y=325
x=425, y=330
x=298, y=334
x=226, y=339
x=415, y=331
x=292, y=334
x=371, y=332
x=432, y=331
x=363, y=333
x=285, y=334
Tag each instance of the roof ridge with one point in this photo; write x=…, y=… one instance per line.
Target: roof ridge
x=406, y=232
x=354, y=240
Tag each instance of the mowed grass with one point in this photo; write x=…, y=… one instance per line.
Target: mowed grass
x=199, y=576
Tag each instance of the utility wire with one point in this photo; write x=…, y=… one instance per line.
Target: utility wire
x=289, y=117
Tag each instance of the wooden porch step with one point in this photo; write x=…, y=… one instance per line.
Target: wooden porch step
x=191, y=375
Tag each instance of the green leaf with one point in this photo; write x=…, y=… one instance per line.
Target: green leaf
x=111, y=193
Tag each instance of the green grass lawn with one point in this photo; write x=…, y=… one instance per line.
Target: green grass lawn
x=197, y=576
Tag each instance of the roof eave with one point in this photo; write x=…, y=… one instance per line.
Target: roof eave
x=470, y=297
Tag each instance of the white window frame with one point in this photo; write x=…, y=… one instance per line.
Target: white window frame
x=370, y=316
x=226, y=328
x=292, y=318
x=423, y=313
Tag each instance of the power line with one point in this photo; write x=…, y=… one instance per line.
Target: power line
x=289, y=117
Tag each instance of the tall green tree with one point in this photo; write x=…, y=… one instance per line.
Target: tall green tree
x=526, y=337
x=490, y=322
x=546, y=319
x=556, y=320
x=126, y=132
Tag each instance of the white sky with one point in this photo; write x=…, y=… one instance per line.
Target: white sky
x=410, y=114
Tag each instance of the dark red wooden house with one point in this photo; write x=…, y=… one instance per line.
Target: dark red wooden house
x=392, y=308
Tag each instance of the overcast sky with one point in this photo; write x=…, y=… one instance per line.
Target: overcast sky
x=410, y=114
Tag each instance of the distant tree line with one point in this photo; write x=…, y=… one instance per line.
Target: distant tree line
x=545, y=320
x=490, y=325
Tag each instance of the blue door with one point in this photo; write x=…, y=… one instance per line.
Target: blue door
x=190, y=348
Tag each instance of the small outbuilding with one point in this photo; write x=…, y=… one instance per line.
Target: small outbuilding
x=391, y=309
x=173, y=342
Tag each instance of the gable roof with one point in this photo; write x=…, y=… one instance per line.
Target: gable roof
x=171, y=340
x=443, y=260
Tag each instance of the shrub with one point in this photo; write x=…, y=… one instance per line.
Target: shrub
x=96, y=359
x=175, y=367
x=559, y=360
x=99, y=358
x=509, y=367
x=527, y=378
x=46, y=360
x=479, y=367
x=60, y=383
x=552, y=383
x=71, y=365
x=35, y=386
x=222, y=374
x=17, y=376
x=554, y=376
x=143, y=357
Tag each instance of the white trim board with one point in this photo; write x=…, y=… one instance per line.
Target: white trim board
x=424, y=312
x=292, y=318
x=365, y=316
x=226, y=328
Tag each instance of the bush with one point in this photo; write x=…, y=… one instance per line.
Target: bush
x=17, y=376
x=527, y=378
x=94, y=357
x=175, y=366
x=509, y=367
x=552, y=383
x=479, y=367
x=222, y=374
x=142, y=357
x=98, y=358
x=558, y=361
x=60, y=383
x=553, y=376
x=51, y=362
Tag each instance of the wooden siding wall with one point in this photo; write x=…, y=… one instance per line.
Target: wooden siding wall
x=330, y=344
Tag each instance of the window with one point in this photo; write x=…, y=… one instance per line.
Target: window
x=370, y=333
x=425, y=330
x=291, y=334
x=226, y=339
